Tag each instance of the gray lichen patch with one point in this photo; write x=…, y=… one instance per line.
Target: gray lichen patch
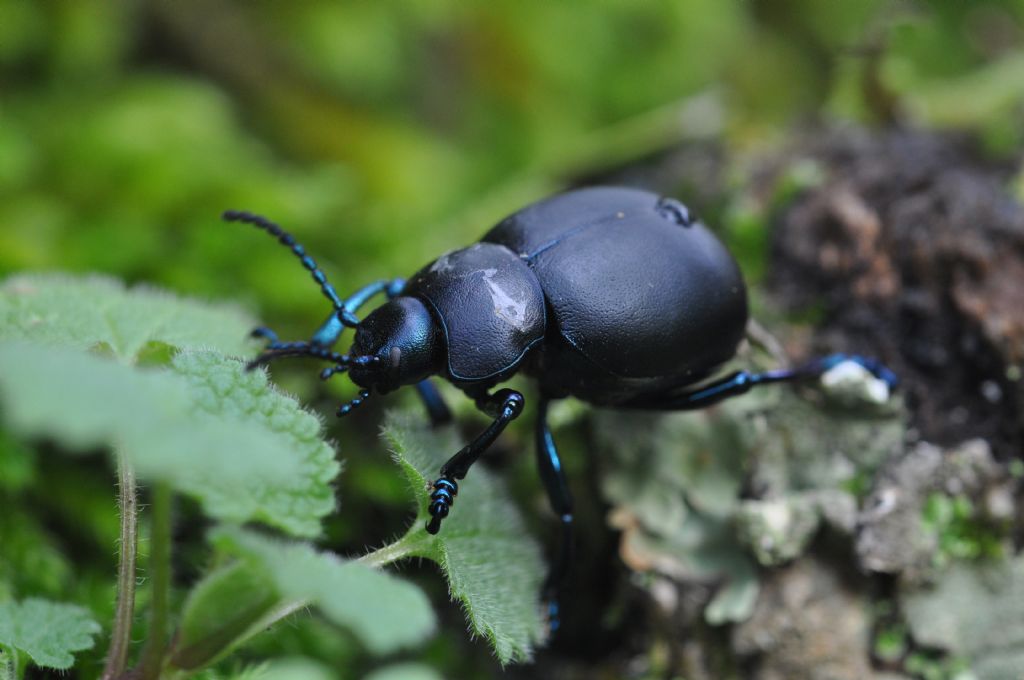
x=974, y=610
x=806, y=624
x=779, y=530
x=894, y=533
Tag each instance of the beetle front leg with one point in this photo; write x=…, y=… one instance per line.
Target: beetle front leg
x=504, y=406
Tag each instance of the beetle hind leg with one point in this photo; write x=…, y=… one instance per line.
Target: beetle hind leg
x=742, y=382
x=549, y=465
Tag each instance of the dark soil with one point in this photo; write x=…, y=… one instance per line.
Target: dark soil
x=914, y=251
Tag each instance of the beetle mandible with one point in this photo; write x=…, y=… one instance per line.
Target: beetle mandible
x=615, y=296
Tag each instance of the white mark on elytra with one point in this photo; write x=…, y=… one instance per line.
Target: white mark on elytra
x=505, y=306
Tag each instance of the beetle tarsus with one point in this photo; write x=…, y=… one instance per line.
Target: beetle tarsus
x=441, y=500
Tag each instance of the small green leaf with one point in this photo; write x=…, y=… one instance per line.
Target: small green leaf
x=404, y=671
x=222, y=610
x=213, y=430
x=87, y=311
x=49, y=632
x=383, y=612
x=492, y=564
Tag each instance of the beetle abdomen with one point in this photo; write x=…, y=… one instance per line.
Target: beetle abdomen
x=490, y=305
x=638, y=291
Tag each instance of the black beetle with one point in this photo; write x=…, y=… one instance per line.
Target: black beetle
x=614, y=296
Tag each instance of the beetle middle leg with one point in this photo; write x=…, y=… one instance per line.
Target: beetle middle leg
x=557, y=487
x=504, y=406
x=742, y=382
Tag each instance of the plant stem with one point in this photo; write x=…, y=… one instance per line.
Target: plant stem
x=407, y=545
x=120, y=637
x=160, y=582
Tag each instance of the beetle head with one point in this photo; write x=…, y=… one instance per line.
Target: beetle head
x=404, y=340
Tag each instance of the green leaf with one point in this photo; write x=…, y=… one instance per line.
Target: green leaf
x=222, y=610
x=404, y=671
x=222, y=389
x=212, y=429
x=89, y=311
x=383, y=612
x=493, y=566
x=49, y=632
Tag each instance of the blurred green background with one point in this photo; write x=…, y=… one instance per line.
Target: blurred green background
x=382, y=134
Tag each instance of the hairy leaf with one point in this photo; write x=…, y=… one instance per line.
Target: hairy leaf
x=382, y=611
x=90, y=311
x=49, y=632
x=212, y=430
x=493, y=566
x=223, y=390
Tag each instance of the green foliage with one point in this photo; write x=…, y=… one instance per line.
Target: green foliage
x=404, y=671
x=222, y=610
x=48, y=632
x=211, y=429
x=216, y=431
x=293, y=498
x=960, y=530
x=97, y=312
x=931, y=666
x=32, y=560
x=890, y=643
x=382, y=611
x=492, y=565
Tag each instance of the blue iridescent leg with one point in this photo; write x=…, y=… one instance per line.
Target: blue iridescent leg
x=553, y=476
x=504, y=406
x=742, y=382
x=437, y=410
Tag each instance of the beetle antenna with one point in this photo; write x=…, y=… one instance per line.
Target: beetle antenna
x=347, y=408
x=332, y=370
x=299, y=349
x=288, y=240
